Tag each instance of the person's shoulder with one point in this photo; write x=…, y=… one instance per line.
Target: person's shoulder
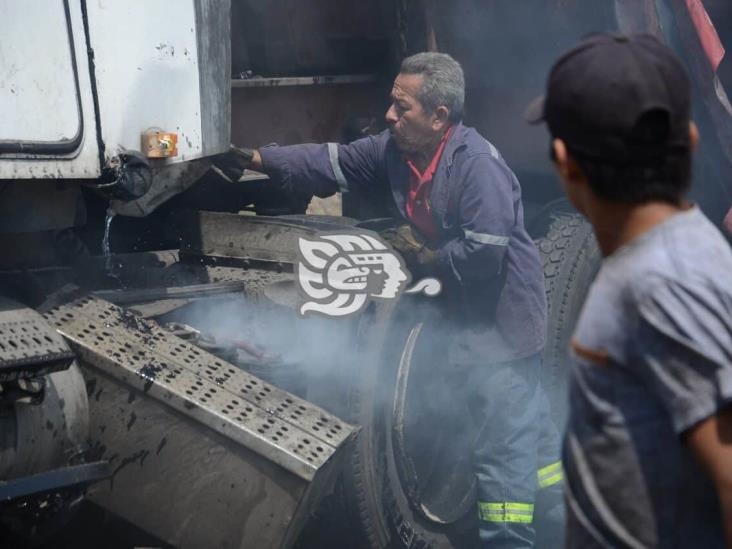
x=696, y=253
x=687, y=249
x=670, y=281
x=479, y=160
x=475, y=144
x=693, y=311
x=693, y=233
x=690, y=279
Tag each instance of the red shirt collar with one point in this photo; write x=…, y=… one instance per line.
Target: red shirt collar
x=430, y=171
x=418, y=201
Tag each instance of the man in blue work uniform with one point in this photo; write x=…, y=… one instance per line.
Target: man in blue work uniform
x=465, y=226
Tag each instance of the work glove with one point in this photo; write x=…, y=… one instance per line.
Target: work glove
x=233, y=163
x=412, y=246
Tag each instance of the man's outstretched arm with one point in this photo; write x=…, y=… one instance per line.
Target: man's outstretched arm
x=321, y=170
x=711, y=443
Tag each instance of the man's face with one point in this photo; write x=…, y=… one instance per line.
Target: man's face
x=414, y=129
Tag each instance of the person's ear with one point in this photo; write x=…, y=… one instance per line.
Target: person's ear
x=567, y=166
x=440, y=118
x=693, y=135
x=572, y=178
x=560, y=158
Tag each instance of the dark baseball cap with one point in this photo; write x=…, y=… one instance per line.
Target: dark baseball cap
x=598, y=91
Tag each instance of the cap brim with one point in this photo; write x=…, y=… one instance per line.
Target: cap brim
x=534, y=113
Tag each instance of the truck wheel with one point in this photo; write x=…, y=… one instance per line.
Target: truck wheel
x=430, y=490
x=410, y=484
x=571, y=260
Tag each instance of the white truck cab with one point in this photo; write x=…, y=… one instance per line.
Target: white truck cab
x=83, y=84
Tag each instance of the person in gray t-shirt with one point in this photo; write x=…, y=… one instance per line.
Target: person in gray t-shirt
x=648, y=447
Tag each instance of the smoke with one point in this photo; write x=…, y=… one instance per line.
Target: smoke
x=269, y=339
x=506, y=49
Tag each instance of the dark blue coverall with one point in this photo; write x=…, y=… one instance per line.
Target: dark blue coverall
x=491, y=268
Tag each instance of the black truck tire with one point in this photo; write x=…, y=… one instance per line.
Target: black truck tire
x=571, y=259
x=376, y=498
x=375, y=495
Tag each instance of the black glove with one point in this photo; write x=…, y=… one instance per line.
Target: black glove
x=412, y=246
x=233, y=163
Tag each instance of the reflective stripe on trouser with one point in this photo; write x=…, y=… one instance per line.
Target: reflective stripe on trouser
x=503, y=402
x=550, y=475
x=506, y=511
x=549, y=516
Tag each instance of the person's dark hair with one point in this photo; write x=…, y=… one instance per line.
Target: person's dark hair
x=655, y=170
x=444, y=82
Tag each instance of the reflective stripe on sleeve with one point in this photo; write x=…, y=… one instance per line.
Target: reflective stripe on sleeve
x=335, y=164
x=550, y=475
x=492, y=149
x=506, y=511
x=484, y=238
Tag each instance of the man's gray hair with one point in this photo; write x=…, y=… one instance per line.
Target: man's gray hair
x=444, y=82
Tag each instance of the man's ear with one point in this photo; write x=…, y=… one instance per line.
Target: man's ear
x=693, y=135
x=571, y=176
x=561, y=158
x=567, y=166
x=440, y=118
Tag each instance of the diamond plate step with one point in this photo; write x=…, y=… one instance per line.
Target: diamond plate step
x=280, y=426
x=28, y=346
x=203, y=454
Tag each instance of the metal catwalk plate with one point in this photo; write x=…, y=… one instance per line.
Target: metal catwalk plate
x=28, y=345
x=283, y=428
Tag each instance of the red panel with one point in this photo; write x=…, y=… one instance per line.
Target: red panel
x=707, y=33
